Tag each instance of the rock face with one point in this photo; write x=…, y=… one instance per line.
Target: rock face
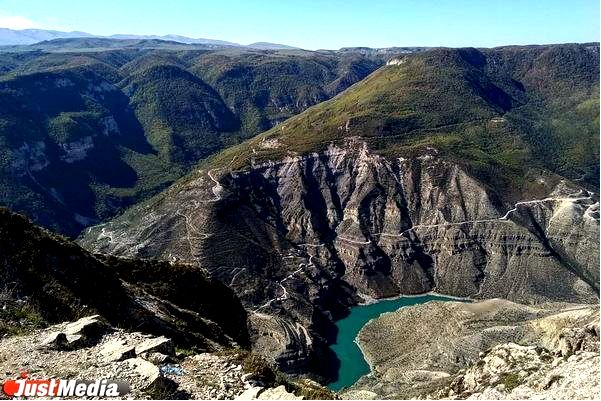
x=86, y=330
x=416, y=350
x=299, y=238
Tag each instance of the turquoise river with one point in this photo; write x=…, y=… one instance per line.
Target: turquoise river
x=352, y=363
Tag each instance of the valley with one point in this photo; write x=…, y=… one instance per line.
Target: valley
x=300, y=228
x=390, y=224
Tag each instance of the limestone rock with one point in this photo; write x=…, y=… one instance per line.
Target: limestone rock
x=89, y=327
x=418, y=349
x=277, y=393
x=156, y=357
x=511, y=371
x=76, y=341
x=60, y=341
x=251, y=393
x=117, y=350
x=572, y=340
x=361, y=395
x=158, y=344
x=149, y=373
x=261, y=393
x=346, y=220
x=56, y=340
x=112, y=356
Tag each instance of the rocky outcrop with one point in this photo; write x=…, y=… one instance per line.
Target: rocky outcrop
x=259, y=393
x=297, y=239
x=148, y=366
x=416, y=350
x=78, y=334
x=515, y=372
x=510, y=371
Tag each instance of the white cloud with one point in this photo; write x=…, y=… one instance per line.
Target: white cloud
x=16, y=22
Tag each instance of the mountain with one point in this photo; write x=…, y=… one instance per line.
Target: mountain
x=468, y=172
x=269, y=46
x=95, y=44
x=140, y=321
x=13, y=37
x=177, y=38
x=48, y=279
x=29, y=36
x=86, y=133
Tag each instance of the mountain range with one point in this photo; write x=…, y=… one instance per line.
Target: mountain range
x=11, y=37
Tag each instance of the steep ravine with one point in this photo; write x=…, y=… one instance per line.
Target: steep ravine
x=300, y=238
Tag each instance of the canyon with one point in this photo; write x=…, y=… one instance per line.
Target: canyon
x=302, y=239
x=255, y=214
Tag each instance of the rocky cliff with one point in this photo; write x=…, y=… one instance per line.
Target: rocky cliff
x=301, y=238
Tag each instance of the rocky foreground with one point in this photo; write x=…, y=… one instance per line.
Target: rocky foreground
x=493, y=349
x=91, y=349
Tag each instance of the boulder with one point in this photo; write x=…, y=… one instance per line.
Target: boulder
x=60, y=341
x=55, y=340
x=250, y=393
x=574, y=339
x=90, y=327
x=75, y=341
x=156, y=357
x=361, y=395
x=160, y=344
x=117, y=350
x=278, y=393
x=148, y=373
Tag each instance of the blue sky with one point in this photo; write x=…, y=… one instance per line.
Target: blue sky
x=314, y=24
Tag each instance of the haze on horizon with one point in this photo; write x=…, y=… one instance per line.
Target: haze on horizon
x=313, y=24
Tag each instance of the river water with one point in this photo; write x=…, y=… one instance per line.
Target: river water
x=352, y=363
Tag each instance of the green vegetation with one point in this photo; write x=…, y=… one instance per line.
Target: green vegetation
x=511, y=380
x=17, y=316
x=499, y=112
x=84, y=134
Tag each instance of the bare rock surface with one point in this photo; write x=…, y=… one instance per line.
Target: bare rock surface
x=515, y=372
x=86, y=330
x=158, y=344
x=260, y=393
x=416, y=350
x=148, y=364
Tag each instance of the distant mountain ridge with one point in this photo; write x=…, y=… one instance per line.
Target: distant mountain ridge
x=30, y=36
x=12, y=37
